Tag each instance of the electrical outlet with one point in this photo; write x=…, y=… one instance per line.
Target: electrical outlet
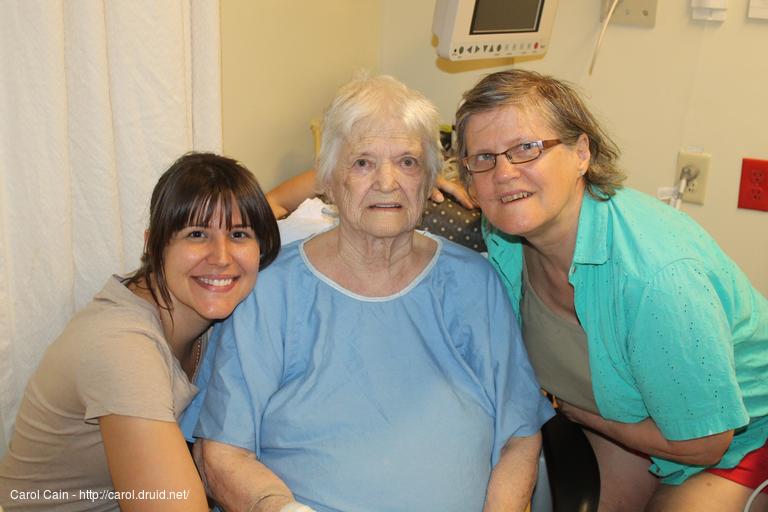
x=698, y=164
x=639, y=13
x=753, y=190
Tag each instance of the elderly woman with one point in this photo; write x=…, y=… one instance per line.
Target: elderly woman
x=374, y=368
x=648, y=334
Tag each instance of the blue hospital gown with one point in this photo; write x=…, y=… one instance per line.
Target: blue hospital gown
x=378, y=404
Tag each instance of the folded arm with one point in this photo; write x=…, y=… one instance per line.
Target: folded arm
x=646, y=437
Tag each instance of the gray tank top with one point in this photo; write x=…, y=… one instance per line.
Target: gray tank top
x=557, y=349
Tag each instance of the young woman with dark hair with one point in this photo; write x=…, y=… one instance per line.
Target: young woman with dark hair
x=97, y=428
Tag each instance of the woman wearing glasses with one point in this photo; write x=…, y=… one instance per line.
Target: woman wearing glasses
x=633, y=317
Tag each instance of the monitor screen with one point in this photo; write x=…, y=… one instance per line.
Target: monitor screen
x=488, y=29
x=504, y=16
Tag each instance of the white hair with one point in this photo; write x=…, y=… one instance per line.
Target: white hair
x=360, y=104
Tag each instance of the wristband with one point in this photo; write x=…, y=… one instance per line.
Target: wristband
x=295, y=506
x=259, y=500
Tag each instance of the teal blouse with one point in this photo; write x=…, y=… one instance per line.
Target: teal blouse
x=675, y=330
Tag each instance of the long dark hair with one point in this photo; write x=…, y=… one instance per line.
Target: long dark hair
x=187, y=194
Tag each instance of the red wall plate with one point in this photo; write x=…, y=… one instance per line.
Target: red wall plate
x=753, y=190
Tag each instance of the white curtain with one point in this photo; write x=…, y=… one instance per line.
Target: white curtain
x=97, y=98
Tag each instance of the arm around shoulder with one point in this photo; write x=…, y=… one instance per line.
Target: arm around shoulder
x=454, y=188
x=288, y=195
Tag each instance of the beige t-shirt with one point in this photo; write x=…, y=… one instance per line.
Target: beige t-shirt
x=557, y=350
x=111, y=359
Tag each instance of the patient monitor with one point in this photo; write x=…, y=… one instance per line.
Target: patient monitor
x=487, y=29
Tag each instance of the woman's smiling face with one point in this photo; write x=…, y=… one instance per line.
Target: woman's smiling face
x=533, y=199
x=210, y=269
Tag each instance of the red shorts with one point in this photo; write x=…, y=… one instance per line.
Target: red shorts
x=751, y=471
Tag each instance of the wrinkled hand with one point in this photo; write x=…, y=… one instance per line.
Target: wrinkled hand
x=453, y=188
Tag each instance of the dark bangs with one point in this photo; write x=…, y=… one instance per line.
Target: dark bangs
x=201, y=208
x=209, y=183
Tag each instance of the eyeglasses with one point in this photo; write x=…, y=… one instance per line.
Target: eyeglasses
x=519, y=154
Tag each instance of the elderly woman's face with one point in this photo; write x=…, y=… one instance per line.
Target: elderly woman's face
x=379, y=182
x=540, y=197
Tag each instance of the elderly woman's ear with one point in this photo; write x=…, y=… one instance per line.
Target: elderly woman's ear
x=327, y=191
x=324, y=186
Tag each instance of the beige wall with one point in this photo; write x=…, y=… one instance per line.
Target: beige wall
x=281, y=63
x=680, y=84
